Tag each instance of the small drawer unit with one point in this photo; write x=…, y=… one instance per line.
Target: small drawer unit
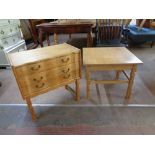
x=41, y=70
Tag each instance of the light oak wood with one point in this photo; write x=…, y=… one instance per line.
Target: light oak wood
x=111, y=58
x=29, y=104
x=109, y=55
x=42, y=70
x=52, y=63
x=36, y=55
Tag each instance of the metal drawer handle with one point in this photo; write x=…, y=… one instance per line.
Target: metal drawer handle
x=40, y=86
x=66, y=71
x=2, y=32
x=65, y=60
x=35, y=68
x=38, y=80
x=66, y=76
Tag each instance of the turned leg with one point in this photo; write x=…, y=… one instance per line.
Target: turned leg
x=77, y=84
x=131, y=80
x=55, y=38
x=87, y=83
x=117, y=75
x=29, y=104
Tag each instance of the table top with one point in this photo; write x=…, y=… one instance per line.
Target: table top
x=75, y=21
x=35, y=55
x=109, y=56
x=69, y=22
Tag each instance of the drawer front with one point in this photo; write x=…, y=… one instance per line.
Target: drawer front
x=10, y=41
x=48, y=64
x=46, y=80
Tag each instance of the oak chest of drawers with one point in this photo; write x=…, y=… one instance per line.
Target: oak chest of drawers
x=40, y=70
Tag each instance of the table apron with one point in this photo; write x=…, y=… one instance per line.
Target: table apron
x=109, y=67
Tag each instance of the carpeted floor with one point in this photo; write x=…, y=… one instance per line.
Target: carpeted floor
x=107, y=112
x=78, y=120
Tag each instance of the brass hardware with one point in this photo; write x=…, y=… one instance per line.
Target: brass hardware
x=35, y=68
x=40, y=86
x=38, y=80
x=66, y=71
x=65, y=60
x=66, y=76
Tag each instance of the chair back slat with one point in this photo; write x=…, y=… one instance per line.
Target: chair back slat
x=110, y=29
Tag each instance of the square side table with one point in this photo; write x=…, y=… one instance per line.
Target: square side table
x=118, y=59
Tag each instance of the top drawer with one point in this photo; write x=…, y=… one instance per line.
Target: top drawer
x=47, y=64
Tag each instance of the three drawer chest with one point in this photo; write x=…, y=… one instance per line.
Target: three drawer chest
x=41, y=70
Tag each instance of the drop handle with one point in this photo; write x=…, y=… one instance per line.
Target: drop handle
x=40, y=85
x=65, y=60
x=35, y=68
x=38, y=80
x=66, y=71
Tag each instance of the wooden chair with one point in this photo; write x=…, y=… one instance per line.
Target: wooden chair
x=109, y=31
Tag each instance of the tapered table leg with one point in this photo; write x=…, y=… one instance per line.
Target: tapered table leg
x=29, y=103
x=131, y=80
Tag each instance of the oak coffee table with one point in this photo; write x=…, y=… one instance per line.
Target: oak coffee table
x=117, y=59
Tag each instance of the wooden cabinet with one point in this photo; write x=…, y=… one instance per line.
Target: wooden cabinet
x=40, y=70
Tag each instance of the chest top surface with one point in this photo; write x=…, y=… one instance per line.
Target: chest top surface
x=109, y=55
x=35, y=55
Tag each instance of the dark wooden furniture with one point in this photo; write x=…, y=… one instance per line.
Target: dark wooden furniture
x=32, y=26
x=64, y=28
x=109, y=31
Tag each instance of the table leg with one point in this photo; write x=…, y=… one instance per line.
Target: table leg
x=29, y=103
x=70, y=36
x=117, y=75
x=41, y=38
x=89, y=39
x=131, y=80
x=47, y=38
x=87, y=82
x=77, y=83
x=55, y=39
